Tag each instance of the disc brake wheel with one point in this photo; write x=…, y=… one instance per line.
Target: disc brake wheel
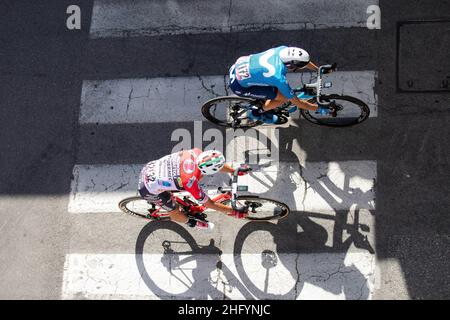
x=262, y=209
x=349, y=111
x=230, y=111
x=138, y=207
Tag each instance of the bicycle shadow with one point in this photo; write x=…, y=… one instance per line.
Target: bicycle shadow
x=305, y=255
x=308, y=255
x=181, y=269
x=320, y=251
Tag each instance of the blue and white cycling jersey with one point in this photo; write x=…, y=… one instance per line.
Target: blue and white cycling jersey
x=262, y=69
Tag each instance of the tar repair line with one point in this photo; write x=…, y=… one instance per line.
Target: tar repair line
x=119, y=18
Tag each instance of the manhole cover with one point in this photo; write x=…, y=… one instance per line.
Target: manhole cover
x=423, y=56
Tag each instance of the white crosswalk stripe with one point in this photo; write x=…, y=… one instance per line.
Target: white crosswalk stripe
x=178, y=99
x=319, y=187
x=98, y=188
x=116, y=276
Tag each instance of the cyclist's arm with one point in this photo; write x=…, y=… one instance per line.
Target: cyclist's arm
x=227, y=169
x=218, y=207
x=312, y=66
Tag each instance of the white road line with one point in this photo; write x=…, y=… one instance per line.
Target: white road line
x=179, y=99
x=122, y=18
x=163, y=276
x=99, y=188
x=172, y=99
x=316, y=186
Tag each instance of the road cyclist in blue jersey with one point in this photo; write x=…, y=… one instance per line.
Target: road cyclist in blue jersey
x=263, y=76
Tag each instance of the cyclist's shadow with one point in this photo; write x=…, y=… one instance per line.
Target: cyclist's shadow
x=300, y=252
x=174, y=266
x=301, y=234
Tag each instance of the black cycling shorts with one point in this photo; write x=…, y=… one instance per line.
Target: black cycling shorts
x=257, y=92
x=164, y=199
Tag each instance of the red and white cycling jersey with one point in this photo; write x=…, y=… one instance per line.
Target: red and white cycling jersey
x=176, y=171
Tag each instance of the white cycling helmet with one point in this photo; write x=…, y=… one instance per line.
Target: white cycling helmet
x=210, y=162
x=293, y=56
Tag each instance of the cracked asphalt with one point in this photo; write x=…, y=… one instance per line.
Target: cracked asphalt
x=42, y=66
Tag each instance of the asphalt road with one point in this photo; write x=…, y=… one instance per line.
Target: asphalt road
x=42, y=69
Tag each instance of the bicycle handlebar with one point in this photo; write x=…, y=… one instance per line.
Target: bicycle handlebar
x=318, y=84
x=234, y=185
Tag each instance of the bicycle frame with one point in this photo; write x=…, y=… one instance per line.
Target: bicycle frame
x=190, y=206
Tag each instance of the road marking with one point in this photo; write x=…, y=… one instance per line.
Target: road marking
x=99, y=188
x=172, y=99
x=179, y=99
x=247, y=276
x=120, y=18
x=312, y=186
x=316, y=186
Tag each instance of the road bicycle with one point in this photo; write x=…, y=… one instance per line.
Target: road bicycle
x=232, y=111
x=258, y=208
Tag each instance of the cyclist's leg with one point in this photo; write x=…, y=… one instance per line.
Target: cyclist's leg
x=280, y=99
x=165, y=201
x=168, y=203
x=272, y=95
x=275, y=102
x=263, y=93
x=303, y=104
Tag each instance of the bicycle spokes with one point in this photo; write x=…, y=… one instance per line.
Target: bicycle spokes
x=229, y=111
x=344, y=111
x=137, y=206
x=262, y=208
x=252, y=206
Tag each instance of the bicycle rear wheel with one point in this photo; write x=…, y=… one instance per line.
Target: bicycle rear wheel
x=138, y=207
x=230, y=111
x=262, y=209
x=350, y=111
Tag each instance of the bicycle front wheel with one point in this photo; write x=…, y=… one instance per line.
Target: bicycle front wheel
x=262, y=209
x=350, y=111
x=138, y=207
x=230, y=111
